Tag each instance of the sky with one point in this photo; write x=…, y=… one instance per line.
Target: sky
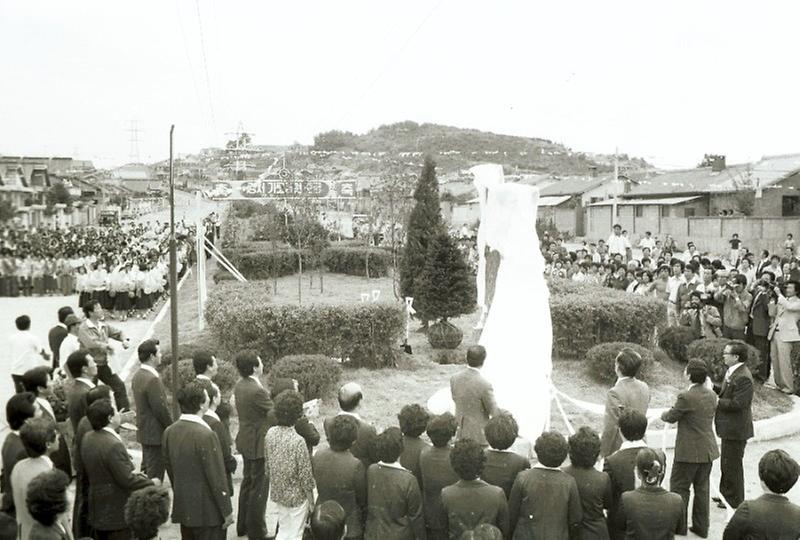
x=667, y=81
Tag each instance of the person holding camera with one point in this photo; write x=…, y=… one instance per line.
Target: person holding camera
x=735, y=300
x=783, y=333
x=759, y=322
x=704, y=320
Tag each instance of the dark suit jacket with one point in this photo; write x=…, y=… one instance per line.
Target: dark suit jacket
x=770, y=516
x=475, y=404
x=627, y=394
x=734, y=418
x=362, y=448
x=437, y=474
x=109, y=470
x=469, y=503
x=55, y=337
x=193, y=459
x=152, y=412
x=759, y=307
x=502, y=467
x=54, y=532
x=694, y=412
x=545, y=503
x=594, y=488
x=224, y=437
x=76, y=403
x=341, y=477
x=395, y=504
x=412, y=446
x=620, y=469
x=252, y=405
x=652, y=513
x=13, y=451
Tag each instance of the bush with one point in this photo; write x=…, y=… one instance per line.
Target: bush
x=269, y=264
x=222, y=275
x=316, y=374
x=710, y=351
x=367, y=333
x=566, y=286
x=583, y=320
x=226, y=375
x=600, y=360
x=353, y=261
x=674, y=340
x=796, y=366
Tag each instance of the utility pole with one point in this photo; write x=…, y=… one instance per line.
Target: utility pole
x=173, y=282
x=614, y=208
x=134, y=140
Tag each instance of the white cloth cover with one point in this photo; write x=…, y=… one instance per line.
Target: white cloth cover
x=518, y=333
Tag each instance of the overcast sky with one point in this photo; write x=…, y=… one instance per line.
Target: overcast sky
x=665, y=81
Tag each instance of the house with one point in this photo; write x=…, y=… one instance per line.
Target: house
x=136, y=177
x=564, y=203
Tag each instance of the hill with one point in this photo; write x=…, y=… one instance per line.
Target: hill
x=456, y=148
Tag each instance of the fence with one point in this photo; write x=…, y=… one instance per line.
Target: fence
x=713, y=233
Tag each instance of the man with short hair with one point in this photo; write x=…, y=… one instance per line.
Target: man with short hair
x=58, y=333
x=734, y=421
x=350, y=397
x=109, y=471
x=25, y=351
x=473, y=396
x=193, y=457
x=783, y=335
x=771, y=515
x=328, y=521
x=760, y=321
x=617, y=243
x=629, y=393
x=253, y=405
x=70, y=343
x=39, y=437
x=703, y=319
x=695, y=445
x=94, y=336
x=39, y=382
x=205, y=365
x=152, y=412
x=19, y=408
x=81, y=366
x=647, y=242
x=735, y=301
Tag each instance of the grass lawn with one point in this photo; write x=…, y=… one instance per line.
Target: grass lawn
x=418, y=376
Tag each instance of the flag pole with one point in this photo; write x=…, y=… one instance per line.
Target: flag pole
x=173, y=281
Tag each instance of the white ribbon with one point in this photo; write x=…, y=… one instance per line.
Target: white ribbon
x=409, y=312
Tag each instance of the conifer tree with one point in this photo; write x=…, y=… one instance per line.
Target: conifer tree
x=445, y=286
x=424, y=223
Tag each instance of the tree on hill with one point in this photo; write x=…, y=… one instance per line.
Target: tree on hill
x=445, y=287
x=424, y=223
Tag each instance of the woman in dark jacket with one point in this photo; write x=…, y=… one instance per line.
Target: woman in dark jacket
x=594, y=487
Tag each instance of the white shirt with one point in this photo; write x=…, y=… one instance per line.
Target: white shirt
x=45, y=406
x=617, y=244
x=25, y=350
x=730, y=371
x=151, y=369
x=86, y=381
x=68, y=346
x=213, y=415
x=194, y=418
x=632, y=444
x=647, y=243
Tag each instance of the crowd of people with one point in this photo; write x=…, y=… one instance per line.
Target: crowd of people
x=753, y=298
x=123, y=266
x=465, y=483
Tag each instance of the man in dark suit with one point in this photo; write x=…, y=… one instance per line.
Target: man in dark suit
x=253, y=404
x=734, y=421
x=82, y=368
x=620, y=467
x=759, y=321
x=58, y=333
x=771, y=515
x=473, y=396
x=350, y=397
x=18, y=409
x=80, y=509
x=340, y=476
x=695, y=445
x=109, y=470
x=152, y=412
x=193, y=457
x=629, y=393
x=211, y=418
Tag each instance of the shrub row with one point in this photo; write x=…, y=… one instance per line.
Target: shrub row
x=594, y=315
x=316, y=374
x=367, y=333
x=256, y=262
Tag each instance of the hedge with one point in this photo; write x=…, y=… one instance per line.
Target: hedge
x=268, y=264
x=601, y=360
x=674, y=341
x=226, y=375
x=710, y=351
x=316, y=375
x=353, y=261
x=366, y=333
x=567, y=286
x=582, y=320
